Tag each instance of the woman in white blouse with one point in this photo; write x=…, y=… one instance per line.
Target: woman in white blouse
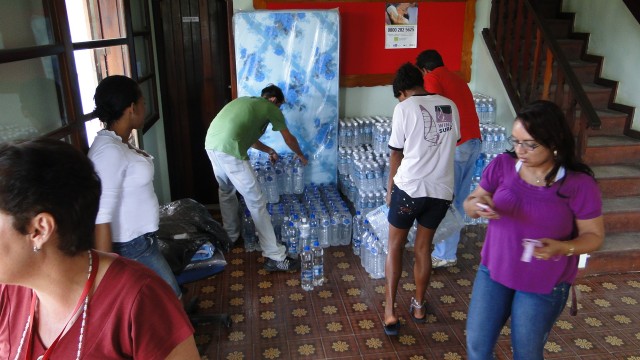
x=128, y=216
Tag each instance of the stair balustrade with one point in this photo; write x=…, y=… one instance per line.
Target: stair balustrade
x=533, y=66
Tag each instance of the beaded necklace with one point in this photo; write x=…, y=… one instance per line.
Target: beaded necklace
x=83, y=301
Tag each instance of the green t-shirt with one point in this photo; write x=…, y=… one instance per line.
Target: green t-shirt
x=240, y=124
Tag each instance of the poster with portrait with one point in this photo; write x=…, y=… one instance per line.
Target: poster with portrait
x=401, y=25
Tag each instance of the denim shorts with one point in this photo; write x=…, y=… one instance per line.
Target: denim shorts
x=404, y=209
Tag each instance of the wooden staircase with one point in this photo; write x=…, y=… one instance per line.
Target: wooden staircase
x=539, y=56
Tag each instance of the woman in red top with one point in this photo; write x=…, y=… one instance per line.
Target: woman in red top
x=58, y=298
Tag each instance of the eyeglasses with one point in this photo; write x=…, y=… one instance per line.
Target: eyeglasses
x=528, y=145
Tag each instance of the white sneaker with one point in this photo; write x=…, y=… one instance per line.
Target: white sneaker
x=442, y=263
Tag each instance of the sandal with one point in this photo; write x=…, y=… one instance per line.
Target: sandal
x=391, y=329
x=414, y=305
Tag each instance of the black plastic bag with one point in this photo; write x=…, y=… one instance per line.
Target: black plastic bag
x=185, y=225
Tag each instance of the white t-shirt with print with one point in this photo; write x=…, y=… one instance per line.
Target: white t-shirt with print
x=425, y=128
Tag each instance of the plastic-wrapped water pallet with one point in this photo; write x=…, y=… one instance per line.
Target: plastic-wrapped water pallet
x=378, y=221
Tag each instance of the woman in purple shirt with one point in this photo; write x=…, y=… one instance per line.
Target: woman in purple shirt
x=540, y=192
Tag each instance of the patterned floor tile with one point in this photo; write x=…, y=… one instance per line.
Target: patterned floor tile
x=273, y=318
x=306, y=349
x=340, y=346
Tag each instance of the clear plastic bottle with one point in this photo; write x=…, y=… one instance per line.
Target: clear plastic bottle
x=378, y=260
x=304, y=232
x=334, y=235
x=313, y=228
x=318, y=264
x=356, y=233
x=248, y=232
x=365, y=248
x=345, y=228
x=271, y=186
x=286, y=177
x=290, y=235
x=324, y=229
x=306, y=271
x=298, y=177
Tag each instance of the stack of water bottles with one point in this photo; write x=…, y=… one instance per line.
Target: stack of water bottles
x=319, y=213
x=367, y=242
x=494, y=143
x=363, y=160
x=285, y=176
x=486, y=108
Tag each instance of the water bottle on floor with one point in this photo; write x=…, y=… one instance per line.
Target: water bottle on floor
x=324, y=230
x=356, y=236
x=290, y=237
x=248, y=232
x=304, y=232
x=313, y=227
x=306, y=272
x=318, y=264
x=378, y=259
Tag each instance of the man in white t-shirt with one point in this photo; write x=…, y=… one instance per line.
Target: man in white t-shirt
x=424, y=133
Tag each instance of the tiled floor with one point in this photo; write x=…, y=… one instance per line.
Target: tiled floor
x=273, y=318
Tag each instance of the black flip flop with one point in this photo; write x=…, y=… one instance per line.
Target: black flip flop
x=391, y=329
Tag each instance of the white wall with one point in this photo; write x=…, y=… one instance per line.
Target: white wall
x=615, y=35
x=484, y=75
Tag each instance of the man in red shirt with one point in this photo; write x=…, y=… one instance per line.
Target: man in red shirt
x=440, y=80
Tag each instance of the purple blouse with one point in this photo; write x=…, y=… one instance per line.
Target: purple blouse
x=528, y=211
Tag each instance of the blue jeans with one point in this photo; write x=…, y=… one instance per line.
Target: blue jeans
x=463, y=168
x=532, y=317
x=144, y=249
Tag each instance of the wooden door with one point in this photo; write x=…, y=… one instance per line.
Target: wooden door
x=195, y=81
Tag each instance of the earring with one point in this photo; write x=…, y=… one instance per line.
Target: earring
x=36, y=249
x=555, y=153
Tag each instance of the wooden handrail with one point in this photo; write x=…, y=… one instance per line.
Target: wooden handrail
x=634, y=7
x=534, y=65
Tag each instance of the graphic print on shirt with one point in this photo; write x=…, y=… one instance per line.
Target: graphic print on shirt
x=444, y=118
x=442, y=124
x=430, y=131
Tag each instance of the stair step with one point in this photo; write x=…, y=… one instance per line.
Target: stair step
x=621, y=214
x=598, y=95
x=613, y=123
x=573, y=48
x=585, y=71
x=611, y=149
x=560, y=28
x=620, y=253
x=618, y=180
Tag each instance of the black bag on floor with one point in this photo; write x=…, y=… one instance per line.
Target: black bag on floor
x=185, y=225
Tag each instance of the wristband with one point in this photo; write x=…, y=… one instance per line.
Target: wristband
x=272, y=152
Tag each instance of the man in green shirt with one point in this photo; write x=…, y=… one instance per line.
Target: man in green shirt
x=236, y=128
